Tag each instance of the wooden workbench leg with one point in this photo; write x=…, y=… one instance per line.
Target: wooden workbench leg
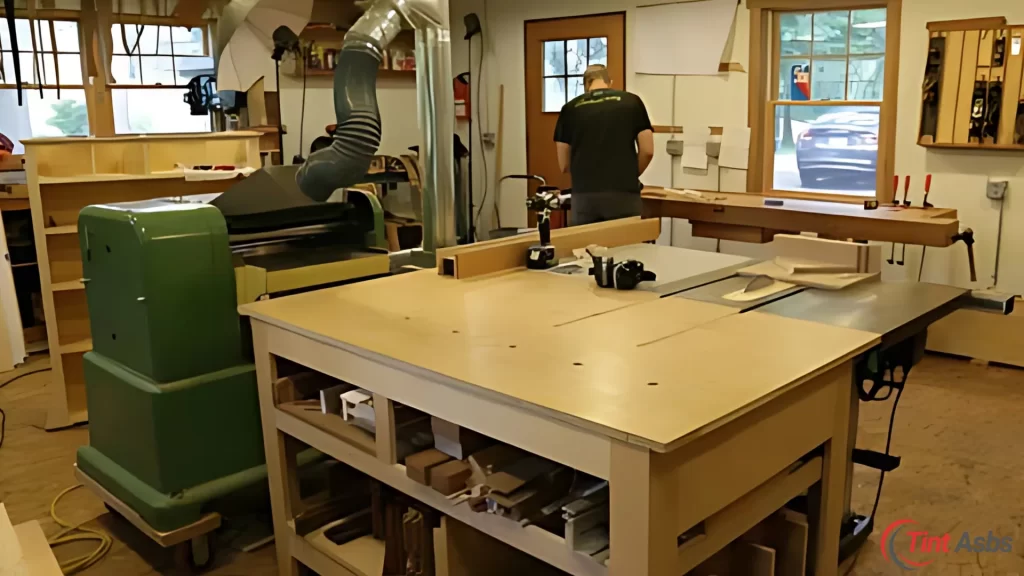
x=828, y=498
x=850, y=445
x=642, y=540
x=280, y=453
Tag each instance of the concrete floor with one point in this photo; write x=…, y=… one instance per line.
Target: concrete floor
x=959, y=429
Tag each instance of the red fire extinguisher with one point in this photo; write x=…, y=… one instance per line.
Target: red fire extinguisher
x=462, y=102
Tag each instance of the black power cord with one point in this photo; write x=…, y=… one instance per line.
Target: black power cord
x=3, y=415
x=478, y=81
x=888, y=445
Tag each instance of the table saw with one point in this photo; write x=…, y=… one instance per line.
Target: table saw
x=706, y=416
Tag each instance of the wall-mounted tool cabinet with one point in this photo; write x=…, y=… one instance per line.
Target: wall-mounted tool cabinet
x=972, y=93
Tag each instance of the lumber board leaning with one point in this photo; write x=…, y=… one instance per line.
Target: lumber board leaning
x=508, y=253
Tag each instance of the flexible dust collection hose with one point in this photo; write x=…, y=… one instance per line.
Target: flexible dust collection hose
x=357, y=136
x=358, y=131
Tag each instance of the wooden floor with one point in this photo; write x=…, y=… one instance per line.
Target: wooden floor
x=960, y=431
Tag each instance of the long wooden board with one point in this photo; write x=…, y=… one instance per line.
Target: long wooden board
x=506, y=254
x=950, y=87
x=932, y=227
x=1011, y=85
x=964, y=99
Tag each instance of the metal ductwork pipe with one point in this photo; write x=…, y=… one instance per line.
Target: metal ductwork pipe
x=436, y=111
x=357, y=137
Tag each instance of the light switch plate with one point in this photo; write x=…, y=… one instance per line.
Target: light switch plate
x=997, y=190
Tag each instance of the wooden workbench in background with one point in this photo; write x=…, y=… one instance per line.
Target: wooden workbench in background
x=745, y=218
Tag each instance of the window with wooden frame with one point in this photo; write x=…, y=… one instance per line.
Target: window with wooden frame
x=823, y=98
x=565, y=62
x=151, y=66
x=53, y=99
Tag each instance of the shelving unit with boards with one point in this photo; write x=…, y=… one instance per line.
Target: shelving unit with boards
x=973, y=90
x=17, y=227
x=322, y=42
x=68, y=174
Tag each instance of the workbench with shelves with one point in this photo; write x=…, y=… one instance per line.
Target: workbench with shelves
x=544, y=365
x=14, y=205
x=68, y=174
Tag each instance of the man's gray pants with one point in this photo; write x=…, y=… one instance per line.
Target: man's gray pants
x=591, y=207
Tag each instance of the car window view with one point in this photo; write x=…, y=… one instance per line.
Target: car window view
x=827, y=149
x=836, y=56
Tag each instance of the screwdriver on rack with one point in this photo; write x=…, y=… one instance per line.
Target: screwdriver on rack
x=927, y=190
x=906, y=190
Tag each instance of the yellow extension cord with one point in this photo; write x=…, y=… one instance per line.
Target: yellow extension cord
x=71, y=533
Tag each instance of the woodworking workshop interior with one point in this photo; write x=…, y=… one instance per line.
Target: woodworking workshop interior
x=511, y=288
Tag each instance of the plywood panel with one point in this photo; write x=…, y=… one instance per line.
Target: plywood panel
x=120, y=158
x=950, y=86
x=968, y=72
x=788, y=537
x=72, y=317
x=65, y=258
x=461, y=550
x=739, y=559
x=63, y=202
x=696, y=179
x=1011, y=85
x=74, y=386
x=985, y=47
x=167, y=155
x=659, y=173
x=65, y=160
x=461, y=330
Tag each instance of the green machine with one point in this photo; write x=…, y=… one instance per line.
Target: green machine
x=171, y=389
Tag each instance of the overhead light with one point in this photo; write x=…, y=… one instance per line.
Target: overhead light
x=870, y=25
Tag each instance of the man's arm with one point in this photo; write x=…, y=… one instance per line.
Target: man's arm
x=645, y=149
x=565, y=153
x=644, y=136
x=563, y=138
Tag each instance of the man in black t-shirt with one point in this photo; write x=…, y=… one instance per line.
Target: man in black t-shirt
x=605, y=140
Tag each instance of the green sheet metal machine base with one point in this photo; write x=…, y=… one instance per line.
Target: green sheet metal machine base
x=173, y=409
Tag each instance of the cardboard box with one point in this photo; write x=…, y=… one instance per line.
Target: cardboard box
x=418, y=466
x=450, y=477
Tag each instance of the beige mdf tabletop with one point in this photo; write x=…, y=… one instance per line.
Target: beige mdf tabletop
x=651, y=371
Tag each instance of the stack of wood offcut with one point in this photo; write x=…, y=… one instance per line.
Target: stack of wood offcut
x=820, y=263
x=495, y=478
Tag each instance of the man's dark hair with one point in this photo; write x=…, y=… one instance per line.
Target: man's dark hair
x=596, y=72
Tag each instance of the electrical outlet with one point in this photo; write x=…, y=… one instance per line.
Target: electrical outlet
x=490, y=138
x=997, y=190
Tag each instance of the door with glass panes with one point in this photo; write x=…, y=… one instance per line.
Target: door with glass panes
x=557, y=54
